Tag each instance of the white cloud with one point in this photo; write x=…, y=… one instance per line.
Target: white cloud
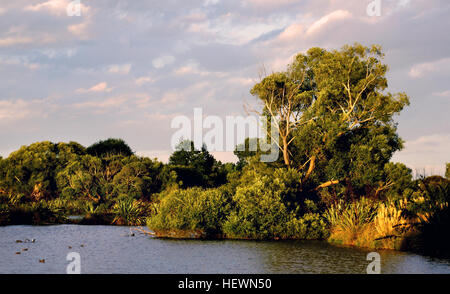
x=163, y=61
x=13, y=41
x=108, y=103
x=81, y=29
x=210, y=2
x=12, y=110
x=442, y=94
x=100, y=87
x=143, y=80
x=291, y=32
x=422, y=69
x=193, y=68
x=270, y=3
x=231, y=29
x=20, y=62
x=328, y=19
x=429, y=152
x=120, y=68
x=56, y=7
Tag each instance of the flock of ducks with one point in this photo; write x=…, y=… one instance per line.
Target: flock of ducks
x=33, y=241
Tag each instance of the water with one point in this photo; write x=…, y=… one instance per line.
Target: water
x=109, y=249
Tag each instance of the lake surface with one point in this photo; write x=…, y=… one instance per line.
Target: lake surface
x=110, y=249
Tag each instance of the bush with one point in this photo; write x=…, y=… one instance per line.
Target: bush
x=400, y=178
x=349, y=220
x=263, y=212
x=191, y=210
x=130, y=212
x=311, y=226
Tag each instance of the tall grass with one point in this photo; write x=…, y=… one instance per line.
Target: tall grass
x=130, y=212
x=349, y=220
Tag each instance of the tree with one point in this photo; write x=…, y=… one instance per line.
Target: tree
x=334, y=115
x=196, y=167
x=82, y=179
x=447, y=171
x=398, y=179
x=109, y=147
x=31, y=170
x=285, y=95
x=138, y=179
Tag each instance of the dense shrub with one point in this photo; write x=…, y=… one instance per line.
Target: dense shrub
x=262, y=210
x=399, y=177
x=194, y=209
x=130, y=212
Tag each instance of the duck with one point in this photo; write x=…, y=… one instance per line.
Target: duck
x=42, y=260
x=19, y=241
x=70, y=247
x=18, y=252
x=25, y=249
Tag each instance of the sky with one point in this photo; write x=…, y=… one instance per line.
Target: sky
x=125, y=69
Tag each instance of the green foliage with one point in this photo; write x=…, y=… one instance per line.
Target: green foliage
x=130, y=212
x=31, y=170
x=80, y=179
x=344, y=130
x=110, y=147
x=193, y=209
x=262, y=208
x=350, y=218
x=138, y=179
x=430, y=196
x=400, y=178
x=447, y=171
x=196, y=167
x=311, y=226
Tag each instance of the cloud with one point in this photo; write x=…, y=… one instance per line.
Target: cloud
x=12, y=41
x=293, y=31
x=120, y=69
x=100, y=87
x=13, y=110
x=163, y=61
x=56, y=7
x=442, y=94
x=422, y=69
x=143, y=80
x=193, y=68
x=108, y=103
x=428, y=152
x=207, y=55
x=267, y=4
x=14, y=60
x=80, y=29
x=327, y=20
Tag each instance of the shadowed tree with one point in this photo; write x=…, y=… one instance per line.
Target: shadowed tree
x=109, y=147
